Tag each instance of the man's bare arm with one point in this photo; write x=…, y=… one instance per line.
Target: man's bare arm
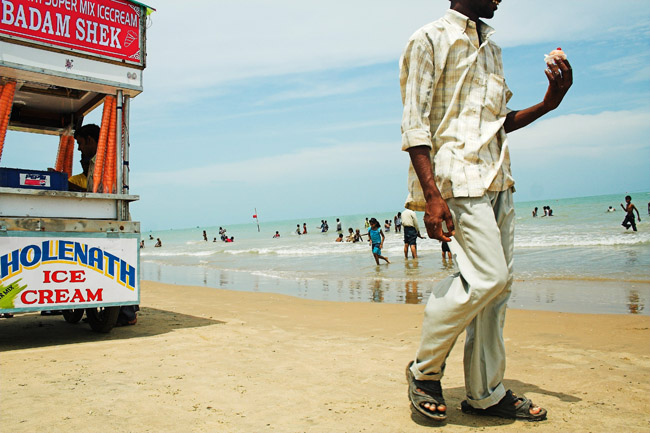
x=560, y=79
x=436, y=210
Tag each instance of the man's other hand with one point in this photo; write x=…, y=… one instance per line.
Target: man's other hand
x=437, y=212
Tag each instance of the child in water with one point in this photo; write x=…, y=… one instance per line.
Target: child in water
x=629, y=217
x=377, y=240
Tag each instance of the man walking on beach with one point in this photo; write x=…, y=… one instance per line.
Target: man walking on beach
x=454, y=127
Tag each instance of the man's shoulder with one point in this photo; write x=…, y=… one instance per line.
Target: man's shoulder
x=431, y=30
x=494, y=46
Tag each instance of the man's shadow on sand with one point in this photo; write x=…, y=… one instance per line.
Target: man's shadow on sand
x=454, y=396
x=31, y=330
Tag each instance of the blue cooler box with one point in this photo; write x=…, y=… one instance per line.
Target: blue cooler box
x=33, y=179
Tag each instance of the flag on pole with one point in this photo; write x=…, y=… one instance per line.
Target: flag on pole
x=256, y=220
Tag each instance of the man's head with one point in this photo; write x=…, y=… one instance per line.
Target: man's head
x=87, y=137
x=628, y=199
x=475, y=9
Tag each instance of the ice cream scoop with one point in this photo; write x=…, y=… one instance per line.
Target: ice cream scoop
x=554, y=55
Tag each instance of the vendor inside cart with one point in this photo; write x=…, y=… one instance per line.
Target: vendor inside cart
x=87, y=137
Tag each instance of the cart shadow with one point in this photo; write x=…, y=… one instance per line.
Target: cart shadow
x=32, y=330
x=454, y=396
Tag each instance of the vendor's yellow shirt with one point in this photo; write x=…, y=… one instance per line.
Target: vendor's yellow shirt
x=80, y=180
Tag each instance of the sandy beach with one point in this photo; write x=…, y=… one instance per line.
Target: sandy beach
x=210, y=360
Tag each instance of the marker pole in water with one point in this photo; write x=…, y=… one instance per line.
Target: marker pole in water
x=257, y=220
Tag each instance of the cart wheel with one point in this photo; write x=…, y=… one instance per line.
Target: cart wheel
x=73, y=316
x=102, y=319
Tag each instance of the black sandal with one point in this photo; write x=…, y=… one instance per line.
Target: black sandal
x=510, y=406
x=426, y=391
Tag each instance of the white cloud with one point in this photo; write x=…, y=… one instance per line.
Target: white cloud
x=309, y=165
x=320, y=89
x=201, y=43
x=395, y=122
x=581, y=155
x=582, y=136
x=637, y=63
x=560, y=21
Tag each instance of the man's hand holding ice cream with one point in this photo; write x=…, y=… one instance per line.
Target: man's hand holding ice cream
x=560, y=79
x=553, y=56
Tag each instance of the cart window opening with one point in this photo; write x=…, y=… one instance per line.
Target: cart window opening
x=30, y=151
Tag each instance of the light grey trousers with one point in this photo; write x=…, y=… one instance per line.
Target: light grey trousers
x=474, y=299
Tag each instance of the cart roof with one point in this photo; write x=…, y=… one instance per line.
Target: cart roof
x=60, y=81
x=149, y=8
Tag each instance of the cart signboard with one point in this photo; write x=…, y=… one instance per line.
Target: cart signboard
x=56, y=272
x=109, y=29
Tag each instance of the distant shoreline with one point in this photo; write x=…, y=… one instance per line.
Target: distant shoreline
x=518, y=205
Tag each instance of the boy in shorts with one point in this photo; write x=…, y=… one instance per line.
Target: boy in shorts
x=629, y=218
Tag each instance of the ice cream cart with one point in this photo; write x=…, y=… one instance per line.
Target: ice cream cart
x=75, y=251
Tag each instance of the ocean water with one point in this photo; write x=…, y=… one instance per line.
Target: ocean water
x=581, y=242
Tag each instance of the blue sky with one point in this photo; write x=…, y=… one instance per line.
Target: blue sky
x=294, y=108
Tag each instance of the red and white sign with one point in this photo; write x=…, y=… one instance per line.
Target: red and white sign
x=107, y=28
x=34, y=179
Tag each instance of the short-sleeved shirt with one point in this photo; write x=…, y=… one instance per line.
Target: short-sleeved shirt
x=409, y=219
x=454, y=97
x=375, y=236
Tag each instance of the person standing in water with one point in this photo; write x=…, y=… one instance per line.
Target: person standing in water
x=629, y=217
x=376, y=240
x=411, y=233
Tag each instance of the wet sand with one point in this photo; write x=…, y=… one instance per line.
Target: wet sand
x=210, y=360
